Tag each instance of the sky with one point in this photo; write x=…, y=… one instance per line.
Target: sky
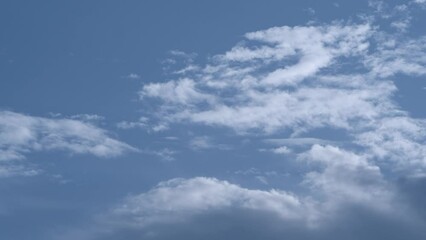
x=159, y=120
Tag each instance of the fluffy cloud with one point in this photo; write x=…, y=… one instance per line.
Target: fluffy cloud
x=343, y=177
x=177, y=199
x=209, y=208
x=346, y=177
x=21, y=134
x=343, y=185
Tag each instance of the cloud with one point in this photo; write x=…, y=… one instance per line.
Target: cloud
x=209, y=208
x=88, y=117
x=285, y=83
x=398, y=16
x=344, y=183
x=297, y=141
x=206, y=142
x=261, y=176
x=141, y=123
x=304, y=78
x=392, y=57
x=281, y=150
x=13, y=169
x=179, y=198
x=22, y=134
x=133, y=76
x=399, y=140
x=346, y=177
x=182, y=91
x=262, y=97
x=164, y=154
x=201, y=143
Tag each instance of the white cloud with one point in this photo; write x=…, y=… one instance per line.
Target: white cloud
x=297, y=79
x=141, y=123
x=182, y=91
x=398, y=16
x=346, y=177
x=203, y=142
x=88, y=117
x=341, y=178
x=133, y=76
x=164, y=154
x=297, y=141
x=394, y=57
x=206, y=142
x=314, y=47
x=282, y=150
x=398, y=141
x=12, y=169
x=21, y=134
x=189, y=68
x=178, y=199
x=304, y=78
x=255, y=98
x=304, y=108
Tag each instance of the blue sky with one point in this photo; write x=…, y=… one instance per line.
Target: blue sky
x=212, y=120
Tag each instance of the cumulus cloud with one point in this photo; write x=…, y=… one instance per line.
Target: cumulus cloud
x=21, y=134
x=210, y=208
x=346, y=176
x=179, y=198
x=344, y=185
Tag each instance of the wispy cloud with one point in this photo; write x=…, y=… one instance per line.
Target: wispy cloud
x=205, y=142
x=164, y=154
x=302, y=78
x=297, y=141
x=21, y=134
x=133, y=76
